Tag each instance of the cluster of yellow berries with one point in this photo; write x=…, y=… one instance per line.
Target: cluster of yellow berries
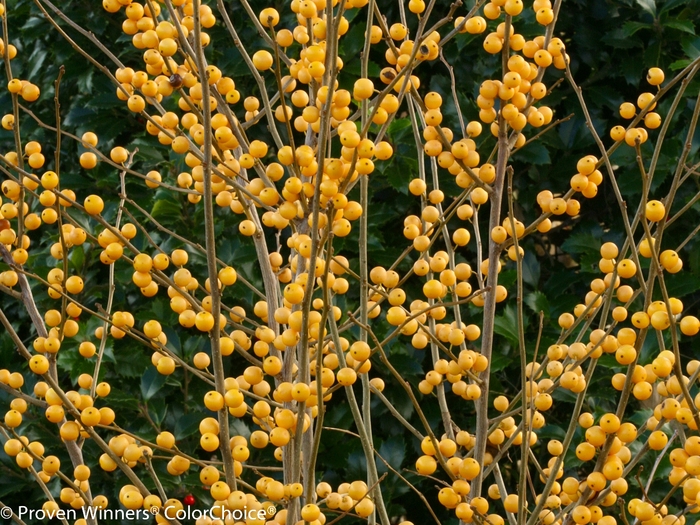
x=159, y=40
x=453, y=371
x=657, y=314
x=25, y=452
x=25, y=89
x=347, y=497
x=646, y=103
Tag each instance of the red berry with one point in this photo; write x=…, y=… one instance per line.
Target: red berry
x=188, y=500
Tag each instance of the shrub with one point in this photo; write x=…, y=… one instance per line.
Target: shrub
x=320, y=288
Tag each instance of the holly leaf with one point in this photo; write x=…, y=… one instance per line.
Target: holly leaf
x=531, y=269
x=157, y=410
x=166, y=209
x=506, y=325
x=691, y=46
x=679, y=64
x=648, y=5
x=499, y=362
x=187, y=425
x=538, y=302
x=534, y=153
x=151, y=383
x=681, y=25
x=630, y=28
x=393, y=450
x=581, y=242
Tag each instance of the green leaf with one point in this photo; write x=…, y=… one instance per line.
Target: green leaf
x=69, y=360
x=670, y=4
x=151, y=383
x=400, y=172
x=531, y=269
x=582, y=241
x=630, y=28
x=681, y=25
x=37, y=60
x=147, y=151
x=398, y=124
x=534, y=153
x=679, y=64
x=506, y=325
x=538, y=302
x=619, y=40
x=648, y=5
x=157, y=409
x=85, y=81
x=691, y=47
x=499, y=362
x=32, y=22
x=187, y=425
x=352, y=45
x=682, y=284
x=173, y=340
x=393, y=450
x=166, y=209
x=409, y=364
x=77, y=257
x=355, y=68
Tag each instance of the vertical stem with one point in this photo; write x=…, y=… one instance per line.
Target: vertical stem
x=215, y=293
x=573, y=425
x=110, y=288
x=303, y=441
x=365, y=437
x=482, y=404
x=364, y=271
x=15, y=128
x=526, y=399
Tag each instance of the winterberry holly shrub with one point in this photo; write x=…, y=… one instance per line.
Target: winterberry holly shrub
x=354, y=259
